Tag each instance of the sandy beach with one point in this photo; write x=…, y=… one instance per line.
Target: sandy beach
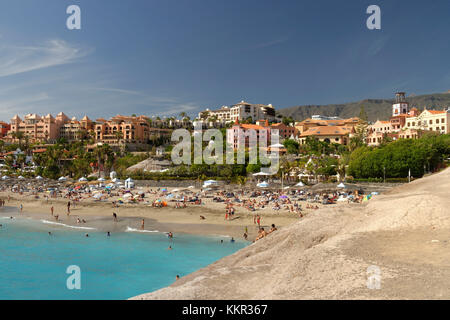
x=331, y=254
x=98, y=214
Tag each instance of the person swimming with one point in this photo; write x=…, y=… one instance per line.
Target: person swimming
x=108, y=234
x=232, y=239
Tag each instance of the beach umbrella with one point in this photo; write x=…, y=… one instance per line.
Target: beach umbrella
x=191, y=187
x=127, y=195
x=175, y=190
x=39, y=178
x=113, y=175
x=261, y=174
x=300, y=184
x=283, y=197
x=97, y=195
x=277, y=145
x=285, y=188
x=341, y=185
x=263, y=184
x=5, y=178
x=83, y=179
x=101, y=179
x=164, y=189
x=62, y=179
x=20, y=177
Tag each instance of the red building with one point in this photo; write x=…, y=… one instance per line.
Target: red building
x=284, y=131
x=4, y=128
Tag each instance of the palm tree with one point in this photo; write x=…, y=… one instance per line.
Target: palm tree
x=118, y=135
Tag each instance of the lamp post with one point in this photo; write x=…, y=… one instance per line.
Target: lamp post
x=282, y=176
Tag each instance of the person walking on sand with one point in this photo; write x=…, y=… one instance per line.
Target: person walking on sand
x=142, y=224
x=115, y=217
x=258, y=220
x=68, y=208
x=52, y=210
x=21, y=207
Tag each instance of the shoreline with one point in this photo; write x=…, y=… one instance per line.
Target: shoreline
x=99, y=215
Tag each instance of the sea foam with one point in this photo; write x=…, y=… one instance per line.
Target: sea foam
x=129, y=229
x=66, y=225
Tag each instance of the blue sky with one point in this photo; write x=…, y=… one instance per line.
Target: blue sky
x=168, y=56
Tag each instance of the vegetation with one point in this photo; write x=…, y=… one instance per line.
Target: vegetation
x=395, y=159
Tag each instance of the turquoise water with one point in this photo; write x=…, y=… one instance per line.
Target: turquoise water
x=33, y=264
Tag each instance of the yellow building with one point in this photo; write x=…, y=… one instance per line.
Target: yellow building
x=432, y=120
x=330, y=134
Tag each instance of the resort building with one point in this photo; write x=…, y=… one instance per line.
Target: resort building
x=4, y=128
x=241, y=134
x=409, y=134
x=330, y=134
x=382, y=127
x=241, y=111
x=35, y=128
x=432, y=120
x=285, y=132
x=122, y=129
x=311, y=123
x=375, y=138
x=244, y=110
x=221, y=115
x=74, y=130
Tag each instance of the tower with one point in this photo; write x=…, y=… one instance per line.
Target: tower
x=400, y=106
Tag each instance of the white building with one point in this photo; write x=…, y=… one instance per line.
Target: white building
x=244, y=110
x=432, y=120
x=222, y=115
x=401, y=106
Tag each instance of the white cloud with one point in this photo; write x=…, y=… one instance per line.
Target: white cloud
x=19, y=59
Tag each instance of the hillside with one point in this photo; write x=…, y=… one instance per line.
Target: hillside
x=375, y=108
x=404, y=233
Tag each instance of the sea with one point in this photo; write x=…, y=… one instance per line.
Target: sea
x=67, y=265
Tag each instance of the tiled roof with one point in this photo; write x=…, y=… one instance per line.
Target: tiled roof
x=327, y=131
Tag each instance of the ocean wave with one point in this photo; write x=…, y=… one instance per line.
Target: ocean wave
x=129, y=229
x=66, y=225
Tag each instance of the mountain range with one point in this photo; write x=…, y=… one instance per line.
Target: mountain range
x=376, y=109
